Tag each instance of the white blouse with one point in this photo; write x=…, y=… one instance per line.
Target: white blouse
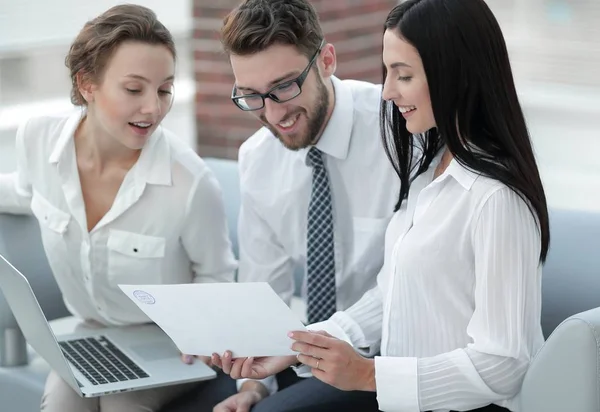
x=167, y=223
x=456, y=311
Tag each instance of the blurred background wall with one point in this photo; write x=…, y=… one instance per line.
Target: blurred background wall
x=554, y=47
x=35, y=36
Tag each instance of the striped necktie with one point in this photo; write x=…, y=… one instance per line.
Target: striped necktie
x=320, y=258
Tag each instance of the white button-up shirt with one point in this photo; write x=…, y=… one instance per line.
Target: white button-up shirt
x=276, y=188
x=456, y=311
x=166, y=225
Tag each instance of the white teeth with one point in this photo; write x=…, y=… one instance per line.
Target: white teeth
x=406, y=109
x=289, y=123
x=141, y=124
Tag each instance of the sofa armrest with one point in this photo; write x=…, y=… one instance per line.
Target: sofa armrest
x=565, y=374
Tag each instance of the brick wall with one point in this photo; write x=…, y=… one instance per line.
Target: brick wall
x=353, y=26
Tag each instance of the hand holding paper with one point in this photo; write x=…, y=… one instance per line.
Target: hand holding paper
x=253, y=368
x=248, y=319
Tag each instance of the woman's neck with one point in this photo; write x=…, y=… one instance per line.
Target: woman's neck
x=99, y=151
x=444, y=163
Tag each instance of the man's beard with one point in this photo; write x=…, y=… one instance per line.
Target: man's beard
x=316, y=119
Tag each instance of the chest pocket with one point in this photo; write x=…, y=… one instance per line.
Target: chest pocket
x=134, y=258
x=49, y=216
x=54, y=224
x=368, y=245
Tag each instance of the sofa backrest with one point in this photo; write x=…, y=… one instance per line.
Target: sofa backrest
x=226, y=172
x=571, y=275
x=21, y=245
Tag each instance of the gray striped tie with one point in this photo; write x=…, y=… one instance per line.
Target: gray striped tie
x=320, y=258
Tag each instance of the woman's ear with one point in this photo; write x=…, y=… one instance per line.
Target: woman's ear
x=86, y=87
x=327, y=61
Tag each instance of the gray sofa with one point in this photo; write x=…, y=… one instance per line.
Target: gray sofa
x=564, y=376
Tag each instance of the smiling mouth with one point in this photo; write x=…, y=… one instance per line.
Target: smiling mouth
x=407, y=109
x=289, y=123
x=141, y=125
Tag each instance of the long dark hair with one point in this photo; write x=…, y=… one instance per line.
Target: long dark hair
x=473, y=97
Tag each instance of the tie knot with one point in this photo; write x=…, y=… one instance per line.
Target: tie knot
x=315, y=158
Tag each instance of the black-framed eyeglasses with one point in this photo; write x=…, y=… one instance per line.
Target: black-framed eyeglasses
x=281, y=93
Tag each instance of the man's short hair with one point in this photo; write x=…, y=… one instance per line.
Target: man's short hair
x=255, y=25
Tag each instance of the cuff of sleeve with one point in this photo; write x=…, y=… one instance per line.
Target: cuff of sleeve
x=397, y=384
x=270, y=382
x=303, y=371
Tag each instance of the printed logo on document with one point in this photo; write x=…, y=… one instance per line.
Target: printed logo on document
x=144, y=297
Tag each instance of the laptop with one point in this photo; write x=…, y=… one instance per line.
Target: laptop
x=96, y=362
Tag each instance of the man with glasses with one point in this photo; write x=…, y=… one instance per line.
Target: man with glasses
x=317, y=188
x=281, y=93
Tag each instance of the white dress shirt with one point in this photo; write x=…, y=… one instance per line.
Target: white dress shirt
x=456, y=311
x=166, y=225
x=276, y=187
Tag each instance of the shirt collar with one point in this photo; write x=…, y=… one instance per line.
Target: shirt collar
x=461, y=174
x=335, y=140
x=153, y=165
x=66, y=137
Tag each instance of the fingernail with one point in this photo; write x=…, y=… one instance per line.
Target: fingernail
x=291, y=334
x=188, y=358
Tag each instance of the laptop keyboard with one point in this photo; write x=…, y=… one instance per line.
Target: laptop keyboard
x=100, y=361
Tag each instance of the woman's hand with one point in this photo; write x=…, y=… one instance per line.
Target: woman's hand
x=334, y=361
x=253, y=368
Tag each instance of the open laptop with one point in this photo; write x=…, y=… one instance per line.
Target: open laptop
x=101, y=361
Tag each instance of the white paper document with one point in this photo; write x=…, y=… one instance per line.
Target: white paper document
x=249, y=319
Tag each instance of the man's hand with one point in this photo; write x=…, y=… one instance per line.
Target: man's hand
x=189, y=359
x=253, y=368
x=250, y=394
